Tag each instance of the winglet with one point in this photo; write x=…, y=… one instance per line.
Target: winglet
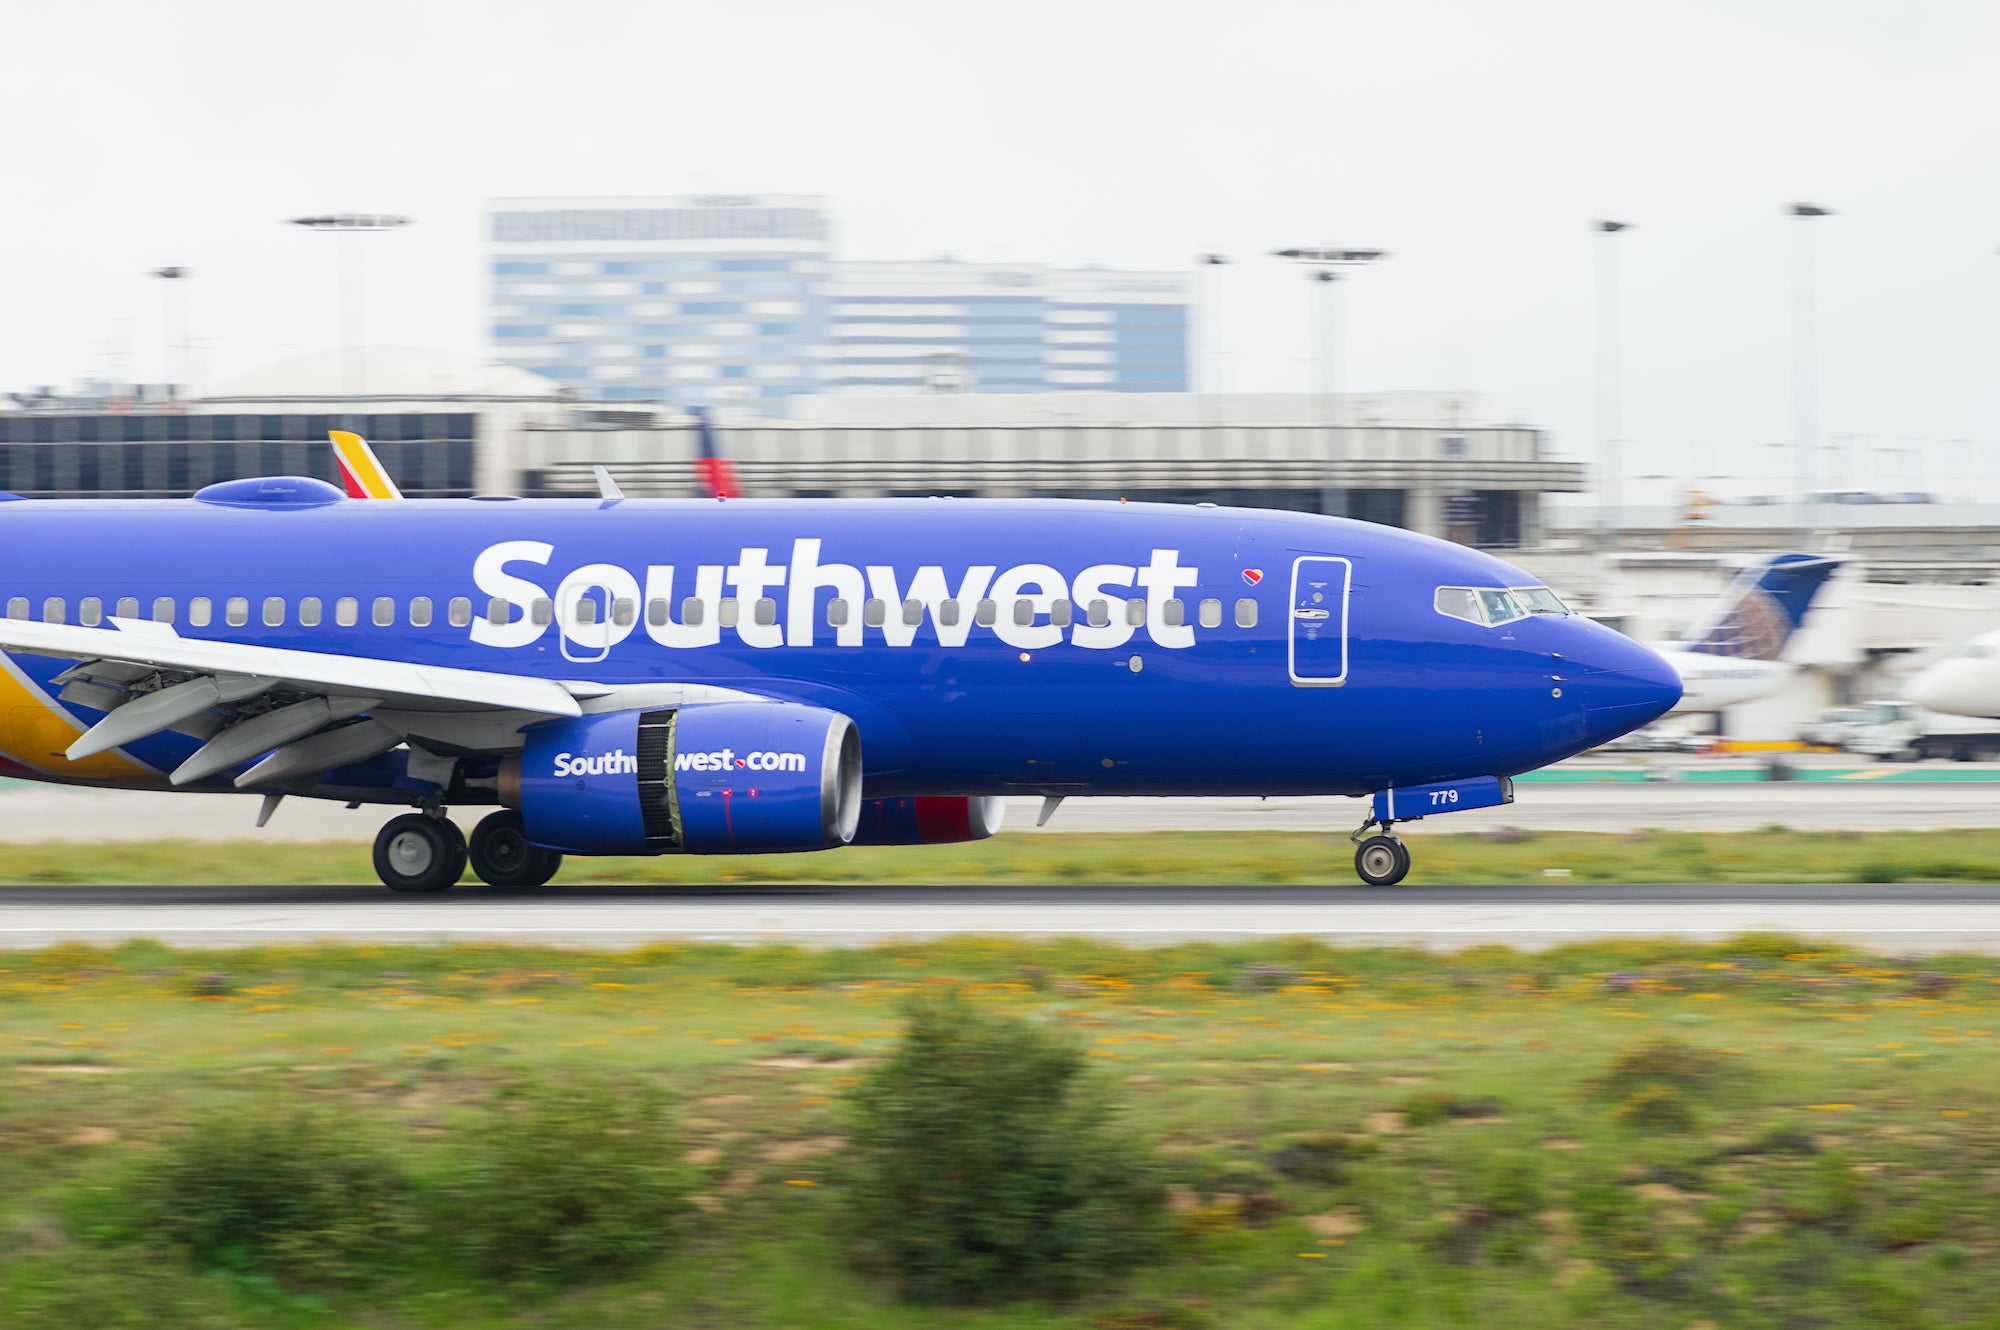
x=607, y=488
x=360, y=468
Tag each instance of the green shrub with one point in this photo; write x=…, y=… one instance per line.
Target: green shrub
x=1661, y=1085
x=986, y=1166
x=556, y=1183
x=279, y=1190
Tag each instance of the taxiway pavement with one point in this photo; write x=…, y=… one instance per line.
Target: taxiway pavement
x=1908, y=919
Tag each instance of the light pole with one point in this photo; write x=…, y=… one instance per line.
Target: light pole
x=1805, y=389
x=349, y=225
x=173, y=325
x=1608, y=424
x=1206, y=321
x=1324, y=268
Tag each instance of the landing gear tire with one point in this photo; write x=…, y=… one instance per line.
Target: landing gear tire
x=1381, y=861
x=502, y=855
x=418, y=852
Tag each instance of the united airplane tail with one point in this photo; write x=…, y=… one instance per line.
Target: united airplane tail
x=1763, y=607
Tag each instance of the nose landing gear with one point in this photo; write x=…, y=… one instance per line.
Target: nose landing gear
x=1381, y=860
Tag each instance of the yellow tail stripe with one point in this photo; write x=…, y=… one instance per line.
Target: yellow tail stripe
x=360, y=461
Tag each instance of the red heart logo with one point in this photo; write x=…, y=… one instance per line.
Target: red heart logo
x=1253, y=575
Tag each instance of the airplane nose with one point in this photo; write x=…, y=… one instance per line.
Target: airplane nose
x=1625, y=685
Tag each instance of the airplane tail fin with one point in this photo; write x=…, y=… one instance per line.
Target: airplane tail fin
x=717, y=472
x=1763, y=607
x=361, y=471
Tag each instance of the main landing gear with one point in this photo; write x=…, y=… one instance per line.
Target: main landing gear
x=427, y=852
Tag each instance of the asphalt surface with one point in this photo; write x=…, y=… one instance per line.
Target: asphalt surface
x=54, y=813
x=1903, y=918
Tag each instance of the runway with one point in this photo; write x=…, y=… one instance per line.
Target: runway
x=1908, y=919
x=30, y=813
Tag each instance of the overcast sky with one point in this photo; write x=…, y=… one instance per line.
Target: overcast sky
x=1474, y=139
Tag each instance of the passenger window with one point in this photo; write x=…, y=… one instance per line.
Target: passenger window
x=498, y=611
x=656, y=611
x=460, y=612
x=1246, y=613
x=1211, y=614
x=309, y=612
x=420, y=611
x=727, y=613
x=913, y=613
x=201, y=610
x=874, y=613
x=1024, y=612
x=128, y=607
x=765, y=611
x=52, y=610
x=1135, y=612
x=947, y=614
x=236, y=611
x=347, y=611
x=274, y=611
x=1457, y=602
x=1100, y=614
x=692, y=611
x=1059, y=613
x=836, y=612
x=17, y=608
x=586, y=610
x=163, y=609
x=90, y=612
x=986, y=613
x=1174, y=613
x=624, y=611
x=541, y=612
x=385, y=611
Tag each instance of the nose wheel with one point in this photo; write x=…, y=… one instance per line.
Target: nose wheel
x=503, y=856
x=419, y=852
x=1381, y=860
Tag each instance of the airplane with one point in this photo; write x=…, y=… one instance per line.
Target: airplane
x=618, y=676
x=1965, y=683
x=1734, y=653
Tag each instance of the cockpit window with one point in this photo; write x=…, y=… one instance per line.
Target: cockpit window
x=1540, y=600
x=1487, y=606
x=1500, y=606
x=1457, y=602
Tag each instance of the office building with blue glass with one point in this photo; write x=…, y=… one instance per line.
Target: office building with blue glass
x=734, y=302
x=946, y=326
x=702, y=300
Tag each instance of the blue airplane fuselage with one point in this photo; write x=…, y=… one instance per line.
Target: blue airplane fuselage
x=979, y=646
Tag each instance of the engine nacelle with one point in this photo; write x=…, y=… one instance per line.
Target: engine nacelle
x=930, y=819
x=717, y=778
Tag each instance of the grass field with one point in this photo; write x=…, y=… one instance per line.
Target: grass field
x=1772, y=855
x=1350, y=1137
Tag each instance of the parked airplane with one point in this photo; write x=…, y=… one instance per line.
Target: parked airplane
x=1733, y=654
x=1965, y=683
x=627, y=677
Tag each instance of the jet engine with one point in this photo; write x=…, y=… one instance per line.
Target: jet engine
x=930, y=820
x=717, y=778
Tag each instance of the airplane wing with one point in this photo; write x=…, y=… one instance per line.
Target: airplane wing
x=291, y=704
x=360, y=470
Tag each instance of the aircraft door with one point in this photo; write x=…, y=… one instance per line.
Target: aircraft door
x=1316, y=632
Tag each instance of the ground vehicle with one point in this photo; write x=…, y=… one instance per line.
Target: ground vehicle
x=1833, y=727
x=1905, y=732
